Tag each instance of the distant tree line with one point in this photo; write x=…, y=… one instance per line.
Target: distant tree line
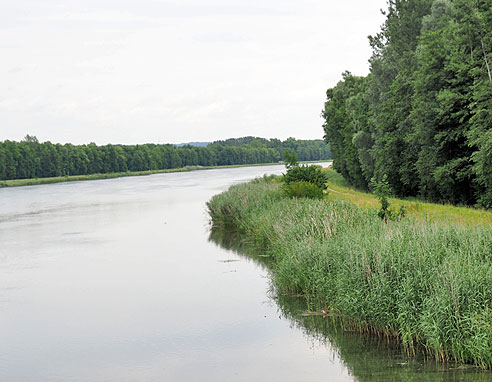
x=32, y=159
x=423, y=115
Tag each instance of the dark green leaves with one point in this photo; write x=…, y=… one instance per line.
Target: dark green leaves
x=423, y=116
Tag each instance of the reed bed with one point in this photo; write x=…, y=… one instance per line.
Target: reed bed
x=426, y=284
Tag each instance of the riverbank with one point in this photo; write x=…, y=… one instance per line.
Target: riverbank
x=112, y=175
x=426, y=283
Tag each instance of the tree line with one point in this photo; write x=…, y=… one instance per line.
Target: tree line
x=423, y=115
x=32, y=159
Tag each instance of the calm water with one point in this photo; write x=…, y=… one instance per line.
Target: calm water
x=117, y=280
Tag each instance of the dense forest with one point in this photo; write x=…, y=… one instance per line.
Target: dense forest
x=423, y=115
x=31, y=159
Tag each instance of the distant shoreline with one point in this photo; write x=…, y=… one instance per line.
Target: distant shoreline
x=113, y=175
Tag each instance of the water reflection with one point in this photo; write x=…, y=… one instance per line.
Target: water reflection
x=367, y=358
x=116, y=280
x=233, y=242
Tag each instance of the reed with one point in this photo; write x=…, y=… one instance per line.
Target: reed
x=425, y=283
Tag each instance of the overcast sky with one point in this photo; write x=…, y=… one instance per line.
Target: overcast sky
x=170, y=71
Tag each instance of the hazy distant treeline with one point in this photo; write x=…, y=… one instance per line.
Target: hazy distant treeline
x=423, y=116
x=31, y=159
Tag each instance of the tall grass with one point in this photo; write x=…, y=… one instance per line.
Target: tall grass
x=426, y=284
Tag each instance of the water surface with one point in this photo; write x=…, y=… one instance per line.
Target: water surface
x=116, y=280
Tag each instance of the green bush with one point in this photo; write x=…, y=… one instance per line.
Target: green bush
x=311, y=174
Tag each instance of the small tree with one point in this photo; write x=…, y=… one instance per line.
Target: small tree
x=30, y=139
x=382, y=190
x=290, y=159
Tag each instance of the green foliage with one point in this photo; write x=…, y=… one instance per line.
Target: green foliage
x=229, y=210
x=302, y=189
x=383, y=191
x=32, y=159
x=340, y=127
x=427, y=284
x=310, y=174
x=423, y=115
x=291, y=159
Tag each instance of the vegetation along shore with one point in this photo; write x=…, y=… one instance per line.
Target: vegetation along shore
x=30, y=162
x=112, y=175
x=423, y=278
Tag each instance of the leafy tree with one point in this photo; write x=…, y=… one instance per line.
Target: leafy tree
x=340, y=129
x=290, y=159
x=30, y=158
x=423, y=115
x=383, y=191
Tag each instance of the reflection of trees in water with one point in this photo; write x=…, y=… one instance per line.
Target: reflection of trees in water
x=367, y=357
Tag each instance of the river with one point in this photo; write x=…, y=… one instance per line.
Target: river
x=118, y=280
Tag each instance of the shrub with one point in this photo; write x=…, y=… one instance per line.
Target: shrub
x=311, y=174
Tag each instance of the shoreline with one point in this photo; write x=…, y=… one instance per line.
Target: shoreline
x=424, y=283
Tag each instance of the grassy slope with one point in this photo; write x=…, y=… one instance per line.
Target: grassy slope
x=423, y=282
x=340, y=190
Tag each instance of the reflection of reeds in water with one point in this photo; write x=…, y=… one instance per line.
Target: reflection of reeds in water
x=232, y=241
x=367, y=357
x=426, y=284
x=370, y=357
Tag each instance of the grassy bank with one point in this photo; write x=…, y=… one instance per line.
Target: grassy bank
x=75, y=178
x=339, y=189
x=423, y=282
